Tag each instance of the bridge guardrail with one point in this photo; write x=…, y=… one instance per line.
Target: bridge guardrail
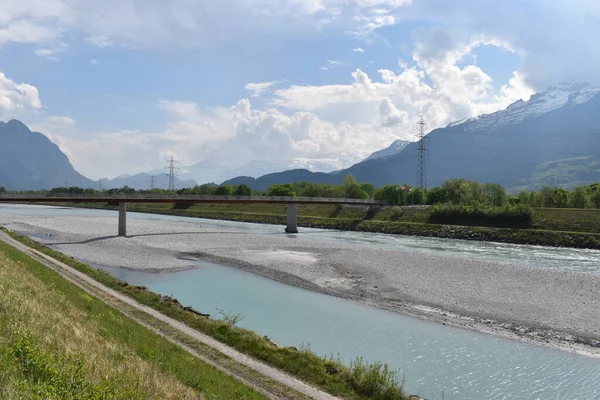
x=191, y=197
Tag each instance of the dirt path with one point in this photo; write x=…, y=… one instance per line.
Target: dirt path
x=255, y=378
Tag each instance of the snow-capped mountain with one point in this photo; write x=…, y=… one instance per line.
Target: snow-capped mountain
x=552, y=139
x=540, y=103
x=396, y=147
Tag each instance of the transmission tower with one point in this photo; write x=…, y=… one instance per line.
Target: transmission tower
x=171, y=169
x=422, y=155
x=152, y=182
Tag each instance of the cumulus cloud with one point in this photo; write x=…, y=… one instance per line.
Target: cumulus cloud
x=557, y=40
x=17, y=98
x=358, y=50
x=233, y=136
x=436, y=86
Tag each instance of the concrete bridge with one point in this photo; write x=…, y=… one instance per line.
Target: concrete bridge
x=122, y=200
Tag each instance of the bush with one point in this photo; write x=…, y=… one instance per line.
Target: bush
x=281, y=190
x=509, y=216
x=224, y=190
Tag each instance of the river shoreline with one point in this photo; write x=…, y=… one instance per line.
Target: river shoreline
x=534, y=237
x=540, y=305
x=529, y=333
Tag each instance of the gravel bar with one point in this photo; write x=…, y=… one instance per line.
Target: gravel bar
x=552, y=307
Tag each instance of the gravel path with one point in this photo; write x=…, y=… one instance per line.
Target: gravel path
x=86, y=283
x=537, y=303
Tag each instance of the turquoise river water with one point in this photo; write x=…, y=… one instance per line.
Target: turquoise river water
x=431, y=357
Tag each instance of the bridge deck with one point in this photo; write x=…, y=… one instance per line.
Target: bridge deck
x=197, y=199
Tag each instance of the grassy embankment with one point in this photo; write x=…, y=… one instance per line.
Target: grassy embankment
x=58, y=342
x=578, y=228
x=358, y=381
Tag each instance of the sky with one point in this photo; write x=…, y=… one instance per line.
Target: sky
x=121, y=85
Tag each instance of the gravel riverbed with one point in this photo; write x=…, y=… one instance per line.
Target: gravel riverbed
x=552, y=307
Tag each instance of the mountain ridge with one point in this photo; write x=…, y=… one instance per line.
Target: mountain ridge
x=512, y=146
x=30, y=161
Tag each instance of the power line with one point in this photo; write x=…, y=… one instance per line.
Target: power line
x=422, y=153
x=171, y=169
x=152, y=182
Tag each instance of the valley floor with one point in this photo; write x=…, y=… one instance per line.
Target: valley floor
x=550, y=307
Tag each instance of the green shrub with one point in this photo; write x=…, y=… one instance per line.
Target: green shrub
x=513, y=216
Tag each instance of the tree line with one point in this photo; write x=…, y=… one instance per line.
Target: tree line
x=454, y=191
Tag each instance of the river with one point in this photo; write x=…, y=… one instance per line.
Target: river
x=431, y=357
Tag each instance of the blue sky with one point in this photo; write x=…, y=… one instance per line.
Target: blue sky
x=120, y=87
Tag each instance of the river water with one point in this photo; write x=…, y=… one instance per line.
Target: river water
x=432, y=358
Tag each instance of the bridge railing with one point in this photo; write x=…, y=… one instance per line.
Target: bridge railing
x=121, y=196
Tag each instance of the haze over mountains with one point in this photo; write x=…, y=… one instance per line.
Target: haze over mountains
x=552, y=139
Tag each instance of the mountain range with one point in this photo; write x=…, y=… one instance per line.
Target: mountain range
x=552, y=139
x=30, y=161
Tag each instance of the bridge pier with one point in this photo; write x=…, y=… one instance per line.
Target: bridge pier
x=122, y=218
x=292, y=218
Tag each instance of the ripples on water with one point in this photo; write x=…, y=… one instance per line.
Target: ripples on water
x=432, y=357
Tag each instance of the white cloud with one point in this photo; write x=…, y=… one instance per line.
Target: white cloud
x=369, y=24
x=17, y=98
x=26, y=32
x=257, y=88
x=233, y=136
x=358, y=50
x=51, y=53
x=100, y=41
x=61, y=120
x=185, y=110
x=182, y=23
x=330, y=64
x=435, y=86
x=557, y=40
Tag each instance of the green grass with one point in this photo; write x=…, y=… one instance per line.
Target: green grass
x=357, y=381
x=58, y=342
x=567, y=219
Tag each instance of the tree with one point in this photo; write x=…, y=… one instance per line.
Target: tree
x=579, y=198
x=352, y=189
x=416, y=196
x=595, y=198
x=436, y=195
x=224, y=190
x=355, y=192
x=560, y=198
x=2, y=189
x=243, y=190
x=281, y=190
x=368, y=187
x=388, y=193
x=495, y=193
x=457, y=190
x=308, y=189
x=350, y=180
x=206, y=189
x=524, y=197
